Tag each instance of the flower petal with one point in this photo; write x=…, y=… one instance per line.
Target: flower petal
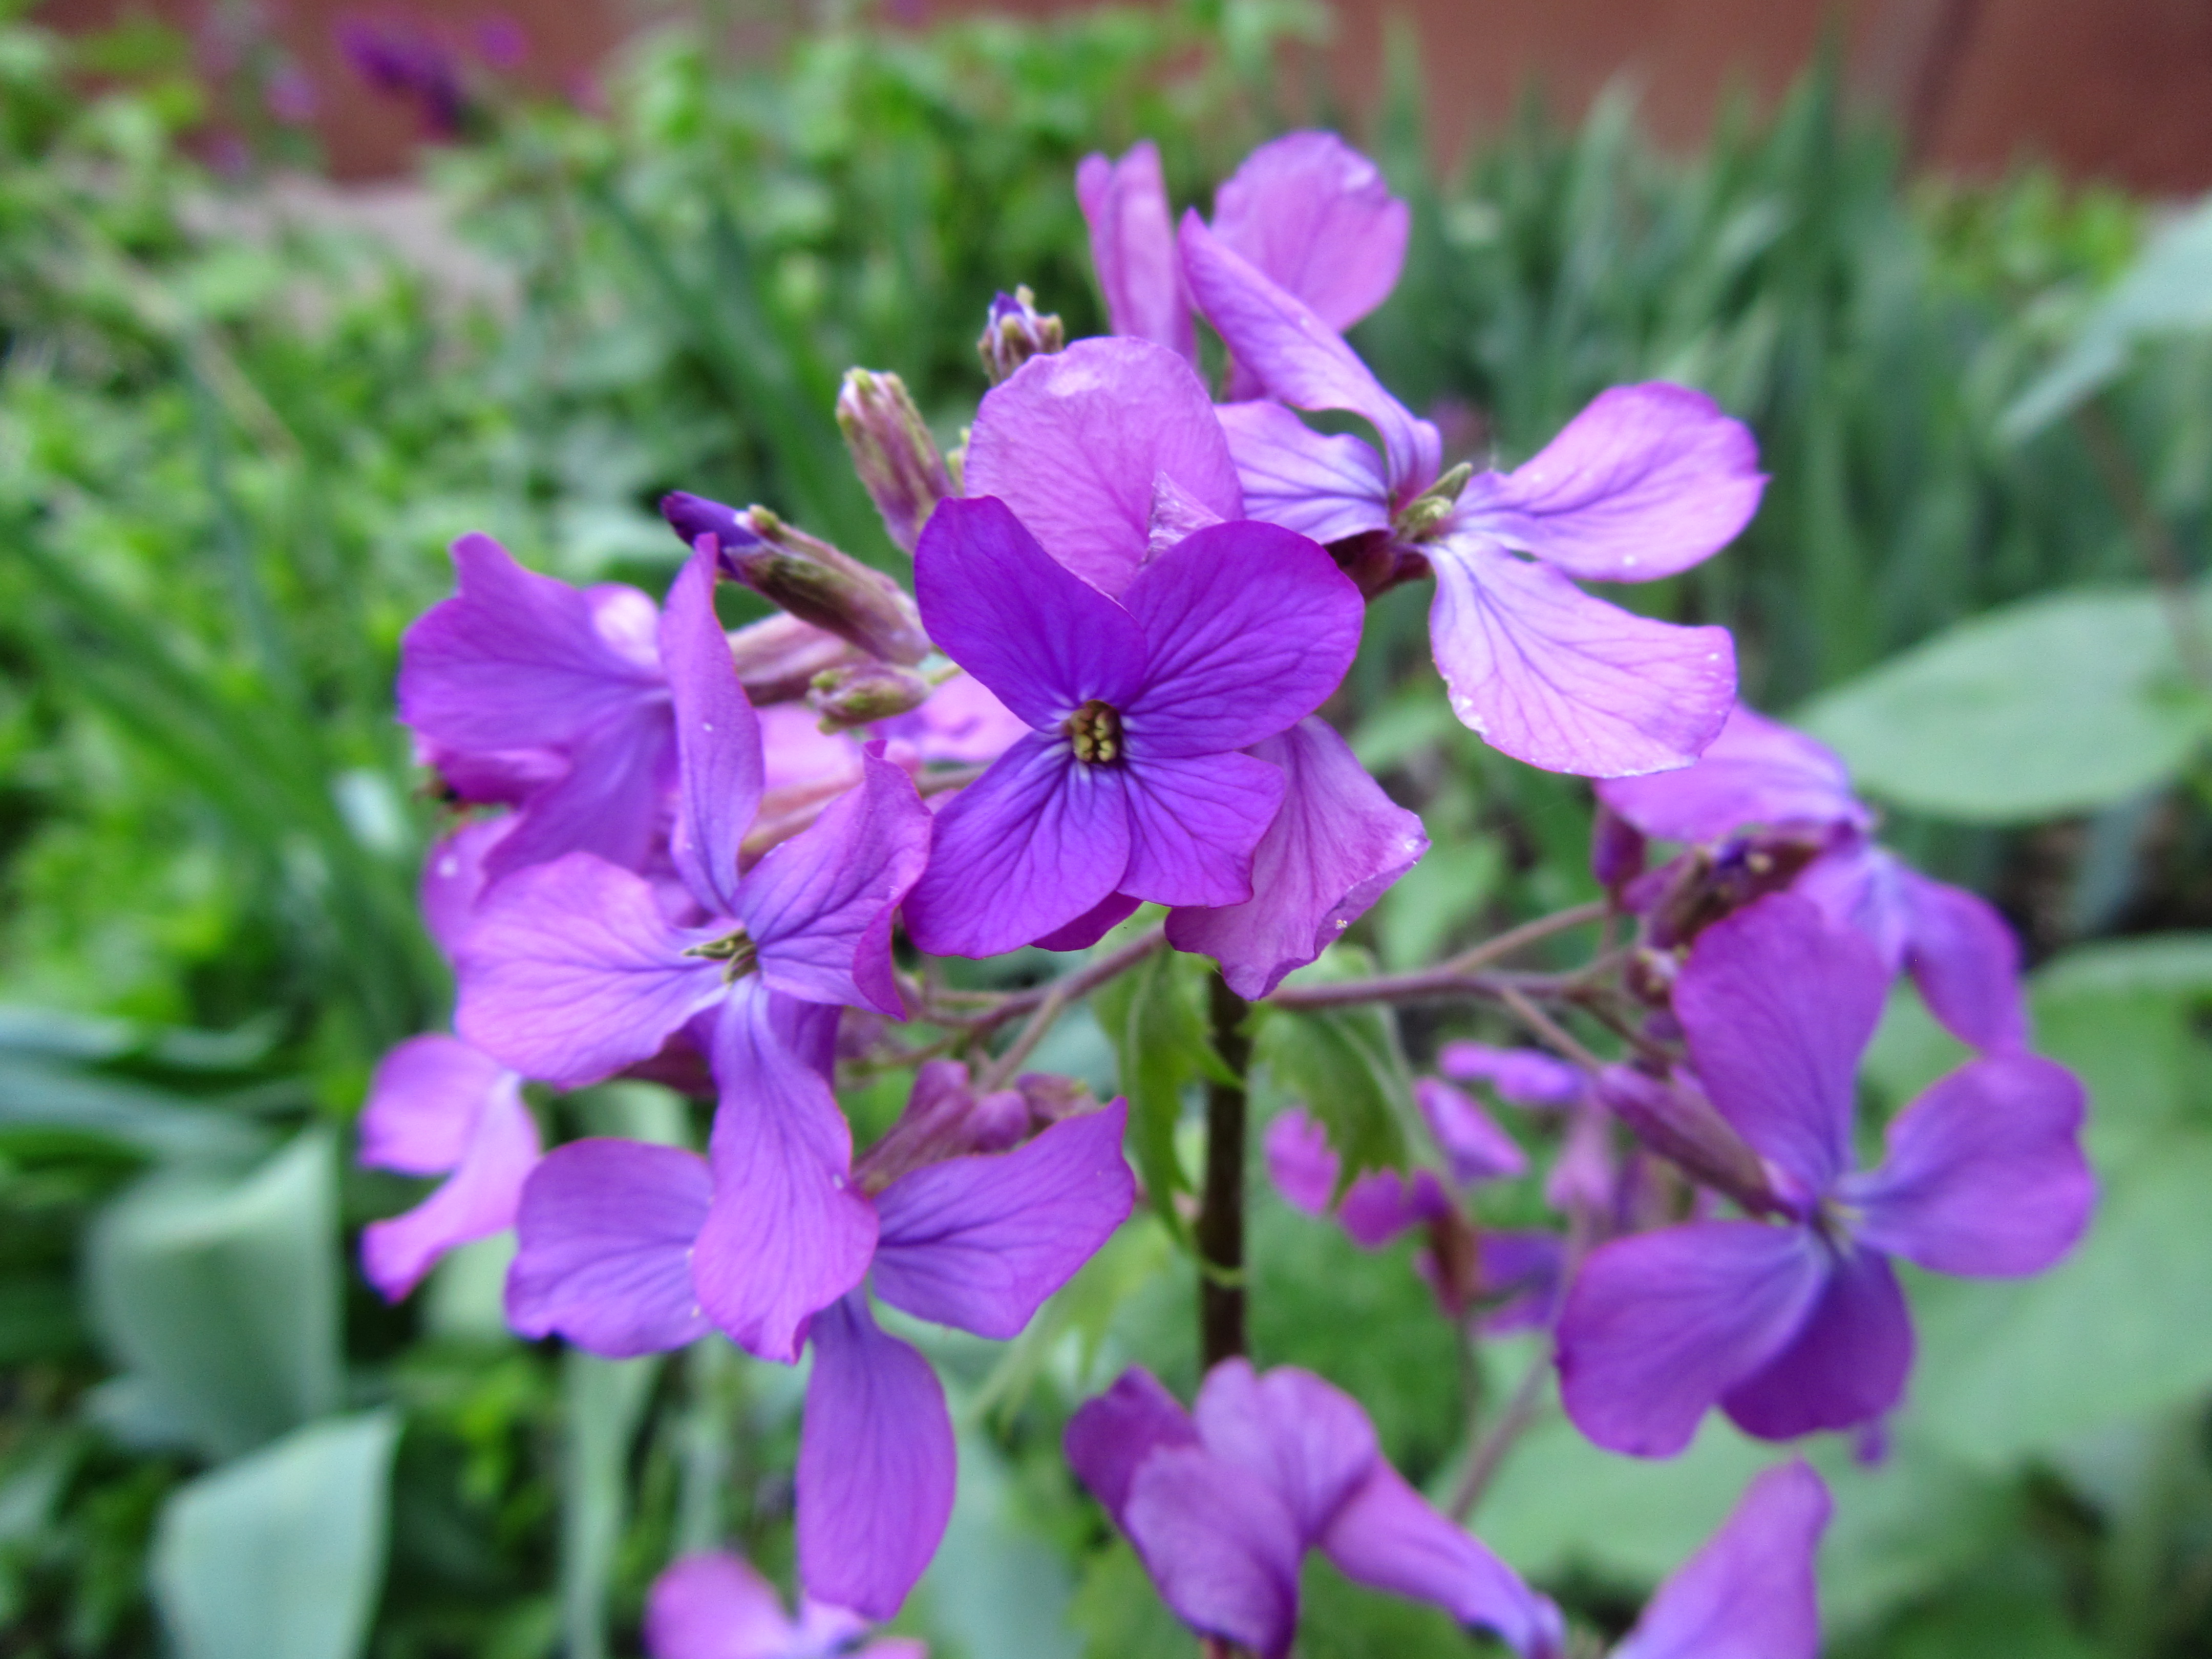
x=1300, y=1161
x=1221, y=1545
x=423, y=1102
x=571, y=972
x=1473, y=1144
x=980, y=1242
x=1749, y=1592
x=1846, y=1365
x=714, y=1605
x=1310, y=1441
x=1527, y=1077
x=1566, y=682
x=1966, y=962
x=477, y=1200
x=603, y=1242
x=1132, y=247
x=612, y=800
x=718, y=741
x=1984, y=1175
x=1657, y=1327
x=1093, y=924
x=453, y=879
x=1110, y=1435
x=1074, y=440
x=1382, y=1204
x=876, y=1465
x=1194, y=823
x=1647, y=481
x=1037, y=841
x=1327, y=488
x=1757, y=772
x=1318, y=217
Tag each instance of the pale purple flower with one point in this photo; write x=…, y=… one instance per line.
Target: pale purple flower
x=1797, y=1324
x=1128, y=785
x=574, y=970
x=717, y=1605
x=1749, y=1592
x=1133, y=248
x=1526, y=1077
x=1223, y=1502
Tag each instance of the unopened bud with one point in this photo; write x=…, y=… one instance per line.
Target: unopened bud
x=1673, y=1118
x=693, y=516
x=1434, y=505
x=865, y=693
x=1016, y=331
x=778, y=657
x=892, y=452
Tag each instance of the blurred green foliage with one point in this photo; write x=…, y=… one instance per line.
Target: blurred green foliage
x=234, y=441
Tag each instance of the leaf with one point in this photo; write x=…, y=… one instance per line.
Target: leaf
x=603, y=1402
x=1155, y=1015
x=1344, y=1065
x=2178, y=964
x=1444, y=890
x=2055, y=705
x=280, y=1555
x=996, y=1590
x=220, y=1297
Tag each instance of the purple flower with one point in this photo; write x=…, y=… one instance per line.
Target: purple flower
x=573, y=971
x=404, y=61
x=1527, y=1077
x=613, y=1248
x=1223, y=1504
x=1133, y=248
x=715, y=1605
x=1647, y=481
x=1128, y=785
x=1749, y=1592
x=1797, y=1325
x=525, y=689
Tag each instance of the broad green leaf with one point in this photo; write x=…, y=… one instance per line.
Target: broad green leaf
x=996, y=1588
x=2051, y=706
x=220, y=1297
x=1444, y=890
x=2171, y=964
x=603, y=1403
x=1155, y=1015
x=280, y=1555
x=1344, y=1065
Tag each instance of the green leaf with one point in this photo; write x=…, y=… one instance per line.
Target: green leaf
x=220, y=1297
x=1155, y=1016
x=1344, y=1065
x=1444, y=890
x=2171, y=964
x=280, y=1555
x=996, y=1590
x=603, y=1402
x=2056, y=705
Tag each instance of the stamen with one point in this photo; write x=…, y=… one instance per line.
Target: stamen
x=735, y=948
x=1096, y=731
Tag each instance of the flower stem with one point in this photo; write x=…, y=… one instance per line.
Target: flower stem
x=1220, y=1230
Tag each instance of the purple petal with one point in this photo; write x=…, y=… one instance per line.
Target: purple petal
x=1335, y=845
x=1757, y=772
x=1566, y=682
x=477, y=1200
x=1388, y=1537
x=1777, y=1005
x=1984, y=1175
x=1845, y=1366
x=827, y=1629
x=1327, y=488
x=1040, y=637
x=1277, y=339
x=1966, y=962
x=512, y=660
x=1109, y=1436
x=1308, y=1441
x=603, y=1242
x=1132, y=247
x=1076, y=439
x=571, y=972
x=788, y=1232
x=1859, y=885
x=1317, y=216
x=714, y=1605
x=1220, y=1543
x=961, y=722
x=1475, y=1147
x=980, y=1242
x=1382, y=1204
x=1749, y=1592
x=1248, y=628
x=1093, y=924
x=1657, y=1327
x=876, y=1465
x=1194, y=823
x=819, y=907
x=1527, y=1077
x=611, y=801
x=1522, y=1266
x=718, y=741
x=491, y=777
x=1300, y=1161
x=453, y=879
x=1035, y=842
x=1647, y=481
x=423, y=1102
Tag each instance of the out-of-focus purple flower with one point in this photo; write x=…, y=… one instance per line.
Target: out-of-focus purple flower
x=574, y=970
x=1222, y=1504
x=1749, y=1592
x=291, y=96
x=716, y=1605
x=1475, y=1149
x=1128, y=785
x=1526, y=1077
x=1801, y=1326
x=961, y=723
x=405, y=60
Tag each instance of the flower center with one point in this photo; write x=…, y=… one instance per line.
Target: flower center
x=1096, y=731
x=734, y=950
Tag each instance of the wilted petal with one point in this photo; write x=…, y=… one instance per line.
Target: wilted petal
x=1194, y=825
x=1335, y=845
x=718, y=741
x=1777, y=1005
x=1647, y=481
x=1984, y=1175
x=453, y=879
x=980, y=1242
x=1310, y=1441
x=477, y=1200
x=1382, y=1204
x=1966, y=962
x=788, y=1233
x=1327, y=488
x=1388, y=1537
x=1749, y=1592
x=1527, y=1077
x=1030, y=846
x=571, y=972
x=819, y=907
x=1109, y=1436
x=1300, y=1161
x=1659, y=1326
x=423, y=1102
x=1318, y=217
x=1566, y=682
x=1220, y=1543
x=1757, y=772
x=1074, y=441
x=1846, y=1365
x=1132, y=247
x=715, y=1605
x=603, y=1253
x=1476, y=1148
x=612, y=800
x=876, y=1465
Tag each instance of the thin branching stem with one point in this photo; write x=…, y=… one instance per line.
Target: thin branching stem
x=1528, y=933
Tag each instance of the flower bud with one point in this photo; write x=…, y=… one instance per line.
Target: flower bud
x=1015, y=332
x=693, y=516
x=778, y=656
x=1673, y=1118
x=1617, y=853
x=865, y=693
x=892, y=452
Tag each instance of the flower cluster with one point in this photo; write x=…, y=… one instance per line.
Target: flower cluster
x=727, y=860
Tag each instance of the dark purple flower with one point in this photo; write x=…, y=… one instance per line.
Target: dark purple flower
x=1223, y=1504
x=715, y=1605
x=404, y=60
x=1749, y=1592
x=1128, y=785
x=1799, y=1325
